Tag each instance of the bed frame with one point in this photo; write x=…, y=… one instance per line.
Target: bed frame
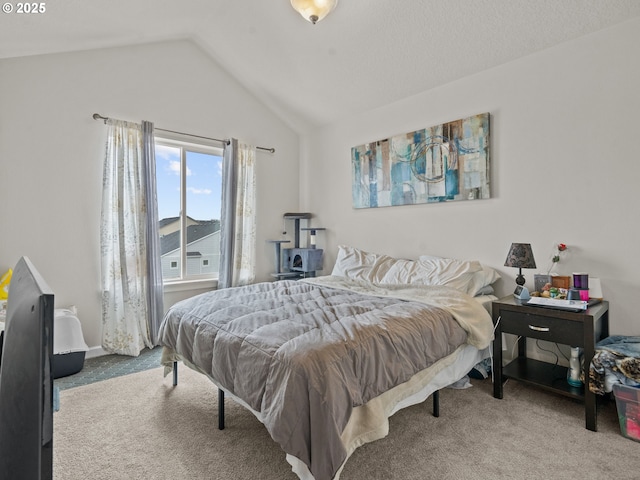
x=435, y=395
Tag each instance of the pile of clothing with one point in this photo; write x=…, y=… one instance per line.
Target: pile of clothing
x=616, y=361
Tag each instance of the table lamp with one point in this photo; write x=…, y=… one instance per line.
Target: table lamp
x=520, y=256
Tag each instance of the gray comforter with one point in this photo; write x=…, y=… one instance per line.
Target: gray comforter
x=304, y=354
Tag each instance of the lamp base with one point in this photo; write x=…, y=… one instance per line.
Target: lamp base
x=520, y=278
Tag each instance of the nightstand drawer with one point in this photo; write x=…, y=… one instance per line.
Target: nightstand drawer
x=566, y=332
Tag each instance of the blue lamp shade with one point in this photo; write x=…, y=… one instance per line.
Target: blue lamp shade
x=520, y=256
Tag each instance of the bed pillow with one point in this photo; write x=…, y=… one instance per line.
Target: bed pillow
x=442, y=271
x=358, y=264
x=480, y=282
x=488, y=290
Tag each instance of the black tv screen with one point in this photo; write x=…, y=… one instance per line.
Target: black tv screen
x=26, y=381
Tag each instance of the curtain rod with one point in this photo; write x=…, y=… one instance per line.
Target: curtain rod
x=97, y=116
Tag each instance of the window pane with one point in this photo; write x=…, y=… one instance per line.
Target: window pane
x=203, y=188
x=200, y=212
x=168, y=188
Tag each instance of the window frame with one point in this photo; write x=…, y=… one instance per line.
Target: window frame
x=187, y=144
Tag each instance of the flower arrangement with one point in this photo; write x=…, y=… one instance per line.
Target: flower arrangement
x=555, y=257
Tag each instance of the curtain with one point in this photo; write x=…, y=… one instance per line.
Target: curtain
x=131, y=300
x=238, y=221
x=155, y=292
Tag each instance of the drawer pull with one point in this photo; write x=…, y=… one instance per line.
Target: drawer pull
x=539, y=329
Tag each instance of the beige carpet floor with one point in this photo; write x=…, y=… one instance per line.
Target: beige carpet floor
x=140, y=427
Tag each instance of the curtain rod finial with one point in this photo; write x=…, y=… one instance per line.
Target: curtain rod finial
x=97, y=116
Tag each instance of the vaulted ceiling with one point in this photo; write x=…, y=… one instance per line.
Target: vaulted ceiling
x=365, y=54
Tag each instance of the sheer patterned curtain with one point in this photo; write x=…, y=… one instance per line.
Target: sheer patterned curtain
x=131, y=299
x=238, y=221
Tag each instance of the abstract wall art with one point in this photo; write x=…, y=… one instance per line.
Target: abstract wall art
x=443, y=163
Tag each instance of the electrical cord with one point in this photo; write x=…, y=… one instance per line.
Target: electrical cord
x=491, y=349
x=565, y=357
x=556, y=365
x=513, y=350
x=548, y=351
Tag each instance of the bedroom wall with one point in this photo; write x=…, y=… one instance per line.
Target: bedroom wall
x=51, y=152
x=565, y=168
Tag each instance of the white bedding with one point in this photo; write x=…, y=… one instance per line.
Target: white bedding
x=468, y=276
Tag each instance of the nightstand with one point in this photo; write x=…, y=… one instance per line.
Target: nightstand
x=577, y=329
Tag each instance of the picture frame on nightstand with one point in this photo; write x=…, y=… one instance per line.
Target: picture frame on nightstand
x=540, y=280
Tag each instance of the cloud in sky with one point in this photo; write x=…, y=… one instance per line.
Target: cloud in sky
x=200, y=191
x=165, y=152
x=172, y=156
x=174, y=167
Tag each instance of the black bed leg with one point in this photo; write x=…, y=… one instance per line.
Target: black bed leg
x=220, y=409
x=436, y=403
x=175, y=373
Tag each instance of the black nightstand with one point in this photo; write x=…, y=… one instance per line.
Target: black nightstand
x=577, y=329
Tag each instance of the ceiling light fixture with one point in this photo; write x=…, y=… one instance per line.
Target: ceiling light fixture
x=313, y=10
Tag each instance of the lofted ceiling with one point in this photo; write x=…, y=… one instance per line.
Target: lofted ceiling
x=365, y=54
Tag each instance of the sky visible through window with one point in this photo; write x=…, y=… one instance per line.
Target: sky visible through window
x=204, y=181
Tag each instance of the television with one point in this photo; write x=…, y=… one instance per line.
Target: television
x=26, y=378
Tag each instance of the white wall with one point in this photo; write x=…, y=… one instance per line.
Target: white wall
x=564, y=140
x=51, y=152
x=564, y=158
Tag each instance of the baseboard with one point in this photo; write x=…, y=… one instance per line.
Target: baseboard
x=95, y=352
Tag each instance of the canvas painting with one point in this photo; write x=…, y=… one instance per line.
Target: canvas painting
x=443, y=163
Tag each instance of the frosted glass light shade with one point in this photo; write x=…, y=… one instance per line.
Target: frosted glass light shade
x=313, y=10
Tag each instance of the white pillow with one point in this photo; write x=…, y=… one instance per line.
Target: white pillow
x=357, y=264
x=491, y=276
x=488, y=290
x=436, y=271
x=486, y=277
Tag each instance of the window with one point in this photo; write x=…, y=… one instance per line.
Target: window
x=189, y=185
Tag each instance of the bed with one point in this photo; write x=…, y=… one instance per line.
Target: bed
x=324, y=362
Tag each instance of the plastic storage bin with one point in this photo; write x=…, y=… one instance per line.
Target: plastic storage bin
x=69, y=348
x=628, y=405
